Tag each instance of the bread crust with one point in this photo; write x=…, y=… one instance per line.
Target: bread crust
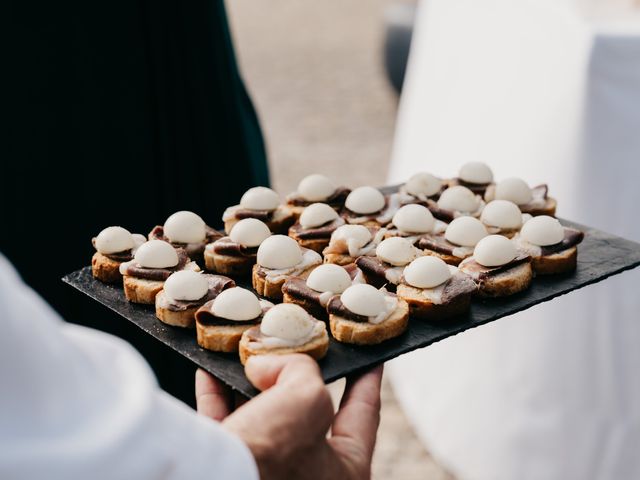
x=227, y=264
x=560, y=262
x=105, y=269
x=364, y=333
x=220, y=338
x=316, y=348
x=140, y=290
x=183, y=318
x=270, y=289
x=283, y=218
x=514, y=280
x=368, y=223
x=338, y=258
x=423, y=308
x=450, y=259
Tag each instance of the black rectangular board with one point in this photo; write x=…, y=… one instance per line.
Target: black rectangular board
x=601, y=255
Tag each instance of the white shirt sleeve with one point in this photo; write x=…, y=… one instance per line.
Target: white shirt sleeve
x=77, y=403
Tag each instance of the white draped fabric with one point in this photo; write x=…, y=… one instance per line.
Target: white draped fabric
x=547, y=91
x=80, y=404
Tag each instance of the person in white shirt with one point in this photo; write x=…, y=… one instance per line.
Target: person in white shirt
x=77, y=403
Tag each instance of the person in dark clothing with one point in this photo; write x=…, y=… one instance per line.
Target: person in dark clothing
x=120, y=113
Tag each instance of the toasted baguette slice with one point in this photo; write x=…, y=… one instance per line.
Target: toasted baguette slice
x=364, y=333
x=514, y=280
x=270, y=289
x=316, y=348
x=105, y=269
x=283, y=217
x=227, y=264
x=560, y=262
x=221, y=338
x=183, y=318
x=422, y=307
x=140, y=290
x=450, y=259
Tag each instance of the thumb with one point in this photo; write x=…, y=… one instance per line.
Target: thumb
x=295, y=407
x=264, y=371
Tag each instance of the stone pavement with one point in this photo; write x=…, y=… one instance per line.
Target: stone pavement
x=315, y=72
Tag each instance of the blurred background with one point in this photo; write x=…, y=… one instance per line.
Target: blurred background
x=142, y=100
x=317, y=74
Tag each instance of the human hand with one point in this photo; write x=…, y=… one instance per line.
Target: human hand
x=285, y=427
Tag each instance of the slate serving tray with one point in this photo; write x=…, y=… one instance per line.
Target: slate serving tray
x=601, y=255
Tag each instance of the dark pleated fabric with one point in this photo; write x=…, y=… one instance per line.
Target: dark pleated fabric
x=119, y=113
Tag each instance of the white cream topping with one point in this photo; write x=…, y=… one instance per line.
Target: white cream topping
x=366, y=300
x=185, y=227
x=462, y=252
x=279, y=252
x=427, y=272
x=318, y=329
x=434, y=295
x=325, y=297
x=397, y=251
x=440, y=226
x=260, y=198
x=237, y=304
x=186, y=285
x=394, y=274
x=527, y=247
x=414, y=218
x=543, y=231
x=287, y=325
x=125, y=265
x=357, y=239
x=460, y=199
x=539, y=200
x=355, y=236
x=390, y=305
x=138, y=239
x=114, y=240
x=316, y=188
x=249, y=232
x=329, y=278
x=465, y=231
x=365, y=200
x=513, y=189
x=394, y=202
x=423, y=185
x=370, y=248
x=317, y=214
x=502, y=214
x=363, y=300
x=309, y=259
x=156, y=254
x=476, y=172
x=494, y=251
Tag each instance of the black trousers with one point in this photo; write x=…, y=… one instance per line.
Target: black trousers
x=119, y=113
